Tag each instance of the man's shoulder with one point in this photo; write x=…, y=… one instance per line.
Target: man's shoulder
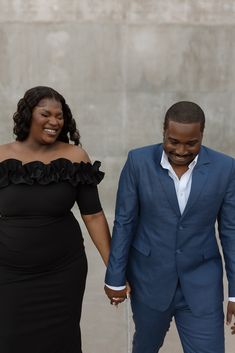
x=145, y=151
x=215, y=155
x=218, y=160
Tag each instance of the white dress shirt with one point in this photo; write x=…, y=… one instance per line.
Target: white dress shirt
x=182, y=188
x=182, y=185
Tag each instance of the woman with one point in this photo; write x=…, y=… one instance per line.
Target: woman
x=43, y=264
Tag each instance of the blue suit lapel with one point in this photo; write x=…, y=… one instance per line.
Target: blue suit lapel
x=199, y=179
x=167, y=183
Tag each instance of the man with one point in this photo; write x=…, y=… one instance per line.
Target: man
x=169, y=198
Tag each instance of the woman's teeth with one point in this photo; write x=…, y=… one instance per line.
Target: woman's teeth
x=50, y=131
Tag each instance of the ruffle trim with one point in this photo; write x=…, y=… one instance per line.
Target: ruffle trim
x=13, y=171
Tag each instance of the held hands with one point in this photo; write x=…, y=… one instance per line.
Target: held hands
x=117, y=296
x=230, y=315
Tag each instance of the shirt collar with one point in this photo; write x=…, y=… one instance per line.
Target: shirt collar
x=166, y=164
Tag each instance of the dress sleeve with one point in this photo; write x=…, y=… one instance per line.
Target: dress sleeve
x=88, y=199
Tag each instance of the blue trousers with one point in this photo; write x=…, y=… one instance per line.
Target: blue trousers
x=204, y=334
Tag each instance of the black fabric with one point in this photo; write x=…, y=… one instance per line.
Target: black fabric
x=12, y=171
x=88, y=199
x=43, y=265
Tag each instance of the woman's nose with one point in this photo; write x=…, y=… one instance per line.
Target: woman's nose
x=53, y=121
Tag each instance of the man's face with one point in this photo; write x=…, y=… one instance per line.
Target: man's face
x=182, y=142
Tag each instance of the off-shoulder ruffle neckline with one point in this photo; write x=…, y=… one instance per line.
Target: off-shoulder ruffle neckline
x=14, y=171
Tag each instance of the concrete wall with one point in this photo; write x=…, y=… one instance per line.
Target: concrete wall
x=120, y=64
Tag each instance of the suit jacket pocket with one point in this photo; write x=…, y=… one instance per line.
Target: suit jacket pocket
x=215, y=196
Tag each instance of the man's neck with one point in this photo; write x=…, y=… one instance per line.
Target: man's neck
x=179, y=169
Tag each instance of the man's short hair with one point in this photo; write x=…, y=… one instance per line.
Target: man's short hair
x=186, y=113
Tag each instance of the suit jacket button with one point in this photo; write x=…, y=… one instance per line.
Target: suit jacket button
x=178, y=251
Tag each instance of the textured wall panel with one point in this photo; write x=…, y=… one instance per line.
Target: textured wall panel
x=120, y=64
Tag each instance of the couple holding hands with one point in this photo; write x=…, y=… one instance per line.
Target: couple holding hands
x=171, y=199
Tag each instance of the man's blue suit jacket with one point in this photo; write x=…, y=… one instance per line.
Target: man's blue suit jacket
x=154, y=246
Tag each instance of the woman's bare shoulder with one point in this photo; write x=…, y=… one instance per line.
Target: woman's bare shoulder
x=75, y=153
x=6, y=146
x=7, y=150
x=78, y=154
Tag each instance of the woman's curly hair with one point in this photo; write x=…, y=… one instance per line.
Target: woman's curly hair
x=23, y=116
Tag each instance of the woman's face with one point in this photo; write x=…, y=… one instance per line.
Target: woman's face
x=47, y=121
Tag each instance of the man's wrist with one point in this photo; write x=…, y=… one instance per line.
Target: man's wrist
x=231, y=299
x=114, y=287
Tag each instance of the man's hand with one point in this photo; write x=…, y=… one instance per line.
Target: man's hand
x=117, y=296
x=230, y=314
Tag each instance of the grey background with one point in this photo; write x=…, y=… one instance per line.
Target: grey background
x=120, y=65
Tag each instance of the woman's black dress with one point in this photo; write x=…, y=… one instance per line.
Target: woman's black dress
x=43, y=265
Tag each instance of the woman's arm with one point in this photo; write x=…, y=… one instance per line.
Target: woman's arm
x=98, y=230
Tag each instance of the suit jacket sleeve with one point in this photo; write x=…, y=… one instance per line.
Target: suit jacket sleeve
x=226, y=227
x=125, y=223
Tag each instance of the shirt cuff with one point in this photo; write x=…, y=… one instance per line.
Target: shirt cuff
x=121, y=288
x=231, y=299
